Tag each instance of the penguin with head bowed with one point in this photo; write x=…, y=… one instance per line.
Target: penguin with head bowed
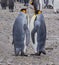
x=20, y=32
x=39, y=27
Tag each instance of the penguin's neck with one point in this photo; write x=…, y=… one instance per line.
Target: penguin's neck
x=39, y=12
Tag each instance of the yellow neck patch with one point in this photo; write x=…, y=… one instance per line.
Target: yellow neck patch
x=31, y=3
x=39, y=12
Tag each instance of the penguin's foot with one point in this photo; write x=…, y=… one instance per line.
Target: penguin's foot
x=16, y=54
x=23, y=54
x=36, y=54
x=40, y=53
x=44, y=52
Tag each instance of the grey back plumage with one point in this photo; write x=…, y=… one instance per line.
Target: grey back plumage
x=20, y=30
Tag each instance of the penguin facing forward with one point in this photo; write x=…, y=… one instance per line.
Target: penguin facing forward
x=39, y=28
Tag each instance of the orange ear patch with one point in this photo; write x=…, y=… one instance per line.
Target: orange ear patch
x=24, y=11
x=31, y=3
x=39, y=12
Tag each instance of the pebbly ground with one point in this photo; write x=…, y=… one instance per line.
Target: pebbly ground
x=52, y=43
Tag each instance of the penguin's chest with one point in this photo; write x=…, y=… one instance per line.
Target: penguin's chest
x=32, y=22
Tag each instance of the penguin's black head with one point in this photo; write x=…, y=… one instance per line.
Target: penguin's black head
x=23, y=10
x=31, y=3
x=38, y=12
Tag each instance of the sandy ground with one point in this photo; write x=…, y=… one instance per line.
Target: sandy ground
x=52, y=43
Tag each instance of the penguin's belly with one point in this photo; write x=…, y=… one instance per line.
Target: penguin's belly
x=31, y=28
